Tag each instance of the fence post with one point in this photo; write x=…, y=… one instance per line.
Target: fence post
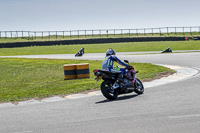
x=122, y=32
x=107, y=32
x=16, y=34
x=167, y=31
x=70, y=33
x=175, y=31
x=144, y=32
x=92, y=34
x=100, y=33
x=22, y=34
x=42, y=34
x=78, y=33
x=137, y=32
x=160, y=31
x=28, y=34
x=11, y=34
x=129, y=32
x=5, y=34
x=49, y=35
x=183, y=31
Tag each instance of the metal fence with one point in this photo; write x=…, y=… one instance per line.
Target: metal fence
x=162, y=31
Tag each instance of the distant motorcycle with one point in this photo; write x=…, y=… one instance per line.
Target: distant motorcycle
x=111, y=87
x=168, y=50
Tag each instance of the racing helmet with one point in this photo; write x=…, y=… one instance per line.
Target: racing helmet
x=110, y=52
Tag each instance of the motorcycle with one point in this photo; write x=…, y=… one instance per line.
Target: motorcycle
x=115, y=83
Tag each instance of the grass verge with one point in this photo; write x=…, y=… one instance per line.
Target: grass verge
x=23, y=79
x=101, y=48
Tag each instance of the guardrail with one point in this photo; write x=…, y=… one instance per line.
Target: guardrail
x=102, y=33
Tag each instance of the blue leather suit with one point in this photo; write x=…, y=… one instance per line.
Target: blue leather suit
x=108, y=63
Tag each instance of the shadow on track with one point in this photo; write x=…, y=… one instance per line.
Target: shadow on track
x=118, y=99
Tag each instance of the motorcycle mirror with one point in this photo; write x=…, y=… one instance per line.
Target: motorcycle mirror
x=126, y=61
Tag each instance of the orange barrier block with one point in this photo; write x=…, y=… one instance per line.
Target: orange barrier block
x=70, y=71
x=83, y=70
x=73, y=71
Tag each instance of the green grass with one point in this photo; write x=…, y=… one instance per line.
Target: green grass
x=101, y=48
x=23, y=79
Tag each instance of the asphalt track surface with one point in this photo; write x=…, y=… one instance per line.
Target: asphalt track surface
x=173, y=107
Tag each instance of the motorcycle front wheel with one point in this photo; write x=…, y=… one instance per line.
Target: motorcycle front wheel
x=139, y=88
x=106, y=90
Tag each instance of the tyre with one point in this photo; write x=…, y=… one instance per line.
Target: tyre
x=107, y=91
x=139, y=88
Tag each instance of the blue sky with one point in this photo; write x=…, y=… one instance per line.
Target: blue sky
x=38, y=15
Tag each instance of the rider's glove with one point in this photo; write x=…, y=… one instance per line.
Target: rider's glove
x=129, y=67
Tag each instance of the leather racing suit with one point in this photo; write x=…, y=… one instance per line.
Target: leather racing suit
x=108, y=63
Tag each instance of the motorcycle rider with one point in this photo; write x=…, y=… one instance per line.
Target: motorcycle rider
x=108, y=63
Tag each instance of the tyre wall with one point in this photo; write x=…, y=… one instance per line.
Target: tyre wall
x=89, y=41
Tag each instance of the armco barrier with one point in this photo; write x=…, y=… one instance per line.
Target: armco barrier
x=73, y=71
x=89, y=41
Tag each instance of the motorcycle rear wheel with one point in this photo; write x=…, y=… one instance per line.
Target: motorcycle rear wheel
x=107, y=92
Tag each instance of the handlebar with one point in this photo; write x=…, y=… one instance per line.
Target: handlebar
x=129, y=67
